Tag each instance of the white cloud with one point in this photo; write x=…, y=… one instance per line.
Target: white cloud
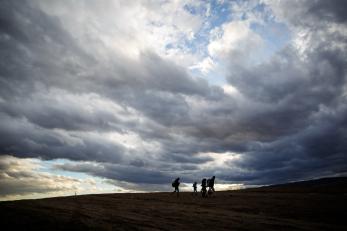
x=129, y=27
x=205, y=66
x=235, y=38
x=230, y=90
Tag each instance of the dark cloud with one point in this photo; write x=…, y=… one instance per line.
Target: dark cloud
x=330, y=11
x=144, y=120
x=311, y=14
x=305, y=96
x=132, y=174
x=25, y=139
x=324, y=11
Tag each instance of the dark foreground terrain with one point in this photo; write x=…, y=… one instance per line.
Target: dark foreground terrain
x=313, y=205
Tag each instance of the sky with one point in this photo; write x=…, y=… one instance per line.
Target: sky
x=124, y=96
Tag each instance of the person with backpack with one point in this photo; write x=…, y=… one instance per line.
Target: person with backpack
x=195, y=187
x=203, y=187
x=211, y=183
x=175, y=184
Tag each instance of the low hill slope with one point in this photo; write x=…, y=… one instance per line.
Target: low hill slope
x=266, y=209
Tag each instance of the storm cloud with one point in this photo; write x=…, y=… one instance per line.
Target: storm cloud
x=73, y=87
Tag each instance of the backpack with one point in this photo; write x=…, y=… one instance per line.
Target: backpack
x=175, y=183
x=203, y=183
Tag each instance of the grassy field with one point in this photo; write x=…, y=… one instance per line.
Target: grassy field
x=286, y=207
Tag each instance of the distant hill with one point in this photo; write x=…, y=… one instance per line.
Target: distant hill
x=323, y=185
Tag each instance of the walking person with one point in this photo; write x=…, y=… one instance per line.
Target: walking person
x=195, y=187
x=210, y=185
x=176, y=184
x=203, y=187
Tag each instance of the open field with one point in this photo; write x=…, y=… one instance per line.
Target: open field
x=286, y=207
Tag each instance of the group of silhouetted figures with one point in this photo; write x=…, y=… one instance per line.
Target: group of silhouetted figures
x=205, y=183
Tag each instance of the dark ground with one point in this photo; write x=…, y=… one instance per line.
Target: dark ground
x=315, y=205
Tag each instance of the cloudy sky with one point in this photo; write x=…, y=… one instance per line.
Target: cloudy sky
x=118, y=96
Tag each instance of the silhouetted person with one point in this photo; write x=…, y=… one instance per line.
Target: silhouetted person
x=210, y=183
x=203, y=187
x=195, y=187
x=175, y=184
